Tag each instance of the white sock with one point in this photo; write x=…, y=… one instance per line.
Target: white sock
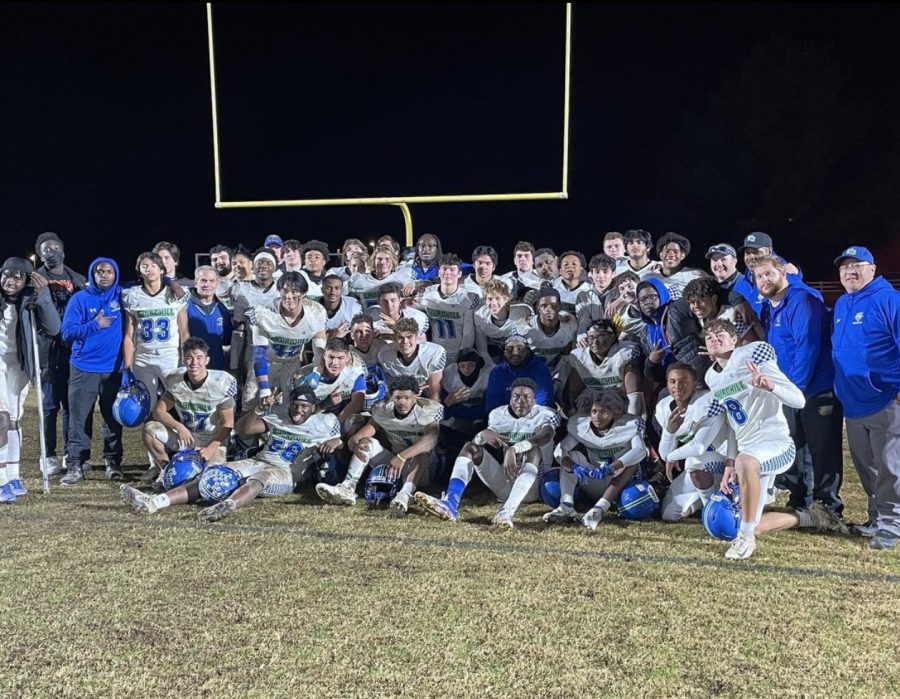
x=161, y=501
x=603, y=504
x=14, y=448
x=567, y=483
x=4, y=454
x=805, y=519
x=463, y=468
x=3, y=478
x=748, y=529
x=408, y=488
x=520, y=488
x=355, y=471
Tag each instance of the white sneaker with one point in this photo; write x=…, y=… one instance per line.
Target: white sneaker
x=400, y=503
x=825, y=520
x=592, y=518
x=563, y=513
x=741, y=548
x=503, y=519
x=53, y=466
x=137, y=501
x=340, y=494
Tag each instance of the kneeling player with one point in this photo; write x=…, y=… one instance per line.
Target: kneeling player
x=748, y=382
x=507, y=456
x=295, y=439
x=204, y=400
x=411, y=425
x=693, y=428
x=602, y=451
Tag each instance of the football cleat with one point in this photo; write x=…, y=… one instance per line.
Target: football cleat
x=742, y=547
x=136, y=500
x=400, y=503
x=220, y=510
x=825, y=520
x=439, y=507
x=18, y=487
x=340, y=494
x=7, y=496
x=592, y=518
x=561, y=514
x=503, y=518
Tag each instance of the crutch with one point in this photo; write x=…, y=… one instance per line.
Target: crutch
x=40, y=400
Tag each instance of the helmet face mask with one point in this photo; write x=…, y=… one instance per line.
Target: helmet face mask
x=218, y=482
x=376, y=387
x=379, y=489
x=132, y=405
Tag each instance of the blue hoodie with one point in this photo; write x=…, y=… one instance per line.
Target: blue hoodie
x=653, y=325
x=799, y=329
x=94, y=349
x=866, y=348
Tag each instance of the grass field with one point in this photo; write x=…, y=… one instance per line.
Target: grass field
x=292, y=598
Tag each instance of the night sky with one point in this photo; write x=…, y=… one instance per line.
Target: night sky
x=709, y=121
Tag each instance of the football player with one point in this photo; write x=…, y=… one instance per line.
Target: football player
x=498, y=318
x=390, y=309
x=484, y=261
x=338, y=380
x=594, y=303
x=451, y=309
x=570, y=283
x=156, y=324
x=411, y=426
x=672, y=249
x=637, y=247
x=602, y=451
x=550, y=333
x=294, y=440
x=523, y=277
x=339, y=309
x=507, y=456
x=204, y=400
x=384, y=263
x=407, y=356
x=748, y=382
x=365, y=343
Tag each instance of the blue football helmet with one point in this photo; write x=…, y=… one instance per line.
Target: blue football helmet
x=132, y=406
x=218, y=482
x=184, y=466
x=380, y=490
x=638, y=501
x=376, y=386
x=721, y=515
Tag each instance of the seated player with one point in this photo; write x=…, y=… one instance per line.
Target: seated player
x=280, y=336
x=295, y=439
x=407, y=356
x=748, y=382
x=339, y=382
x=507, y=456
x=410, y=426
x=204, y=400
x=463, y=388
x=390, y=309
x=605, y=363
x=602, y=451
x=694, y=433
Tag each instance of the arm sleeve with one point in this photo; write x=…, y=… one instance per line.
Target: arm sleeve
x=636, y=453
x=260, y=361
x=703, y=437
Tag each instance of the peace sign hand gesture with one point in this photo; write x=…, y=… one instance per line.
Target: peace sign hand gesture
x=758, y=379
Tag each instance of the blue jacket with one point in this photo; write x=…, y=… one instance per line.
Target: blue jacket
x=94, y=349
x=799, y=328
x=212, y=323
x=502, y=376
x=866, y=348
x=756, y=300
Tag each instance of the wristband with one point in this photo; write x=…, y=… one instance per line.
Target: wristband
x=478, y=439
x=522, y=447
x=403, y=459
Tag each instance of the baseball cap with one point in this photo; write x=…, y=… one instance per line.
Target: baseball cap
x=720, y=249
x=274, y=240
x=757, y=240
x=855, y=252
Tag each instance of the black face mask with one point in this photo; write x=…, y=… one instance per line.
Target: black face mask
x=53, y=258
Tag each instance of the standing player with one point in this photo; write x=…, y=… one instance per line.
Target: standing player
x=220, y=261
x=280, y=337
x=451, y=309
x=523, y=277
x=507, y=456
x=295, y=439
x=411, y=426
x=594, y=303
x=570, y=283
x=390, y=309
x=155, y=326
x=550, y=333
x=498, y=318
x=384, y=263
x=315, y=256
x=484, y=261
x=204, y=400
x=339, y=309
x=637, y=246
x=672, y=249
x=602, y=450
x=407, y=356
x=748, y=382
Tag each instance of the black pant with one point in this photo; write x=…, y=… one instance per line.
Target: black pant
x=84, y=389
x=55, y=387
x=818, y=469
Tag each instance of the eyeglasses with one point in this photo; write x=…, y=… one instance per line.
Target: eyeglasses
x=853, y=267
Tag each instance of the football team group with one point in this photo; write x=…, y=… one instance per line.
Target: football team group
x=624, y=384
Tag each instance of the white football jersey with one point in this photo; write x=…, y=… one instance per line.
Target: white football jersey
x=568, y=298
x=676, y=282
x=610, y=371
x=452, y=319
x=516, y=429
x=704, y=429
x=248, y=295
x=224, y=292
x=9, y=321
x=370, y=358
x=344, y=313
x=285, y=341
x=155, y=320
x=490, y=333
x=403, y=432
x=591, y=306
x=469, y=284
x=383, y=328
x=550, y=347
x=365, y=287
x=429, y=358
x=314, y=293
x=754, y=414
x=352, y=378
x=285, y=440
x=624, y=439
x=650, y=269
x=530, y=280
x=196, y=407
x=451, y=381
